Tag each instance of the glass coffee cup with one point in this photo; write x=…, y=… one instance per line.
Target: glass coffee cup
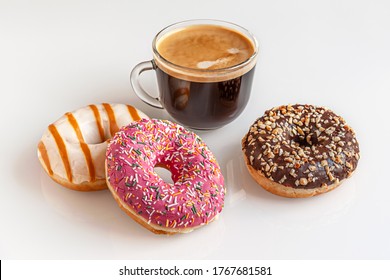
x=204, y=72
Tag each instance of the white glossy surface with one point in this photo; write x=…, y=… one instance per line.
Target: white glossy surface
x=59, y=56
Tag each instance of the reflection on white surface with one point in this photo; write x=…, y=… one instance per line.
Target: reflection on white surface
x=235, y=192
x=299, y=214
x=100, y=210
x=75, y=205
x=130, y=240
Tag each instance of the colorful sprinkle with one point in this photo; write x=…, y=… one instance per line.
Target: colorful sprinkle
x=195, y=172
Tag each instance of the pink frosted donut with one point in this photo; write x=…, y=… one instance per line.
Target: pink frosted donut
x=197, y=195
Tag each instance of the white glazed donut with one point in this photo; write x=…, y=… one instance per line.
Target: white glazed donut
x=72, y=149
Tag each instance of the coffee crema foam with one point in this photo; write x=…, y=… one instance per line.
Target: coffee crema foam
x=204, y=47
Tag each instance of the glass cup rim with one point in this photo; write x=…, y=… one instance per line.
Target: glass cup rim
x=190, y=22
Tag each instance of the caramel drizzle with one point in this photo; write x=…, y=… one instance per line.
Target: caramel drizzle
x=45, y=157
x=84, y=146
x=62, y=150
x=133, y=112
x=111, y=117
x=98, y=121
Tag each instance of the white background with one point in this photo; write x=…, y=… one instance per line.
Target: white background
x=57, y=56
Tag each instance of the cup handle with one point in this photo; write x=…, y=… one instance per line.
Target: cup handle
x=139, y=91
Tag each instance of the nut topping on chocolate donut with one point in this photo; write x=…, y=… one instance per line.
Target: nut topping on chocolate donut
x=301, y=146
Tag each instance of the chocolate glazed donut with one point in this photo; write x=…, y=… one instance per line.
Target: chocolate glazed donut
x=300, y=150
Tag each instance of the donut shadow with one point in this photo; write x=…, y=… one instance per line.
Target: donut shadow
x=74, y=205
x=26, y=169
x=99, y=211
x=151, y=246
x=143, y=244
x=94, y=210
x=239, y=182
x=293, y=214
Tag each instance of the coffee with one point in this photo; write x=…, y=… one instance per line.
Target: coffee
x=204, y=71
x=204, y=105
x=205, y=47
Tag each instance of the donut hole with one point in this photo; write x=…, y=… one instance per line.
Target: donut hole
x=97, y=140
x=302, y=141
x=164, y=174
x=91, y=133
x=306, y=140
